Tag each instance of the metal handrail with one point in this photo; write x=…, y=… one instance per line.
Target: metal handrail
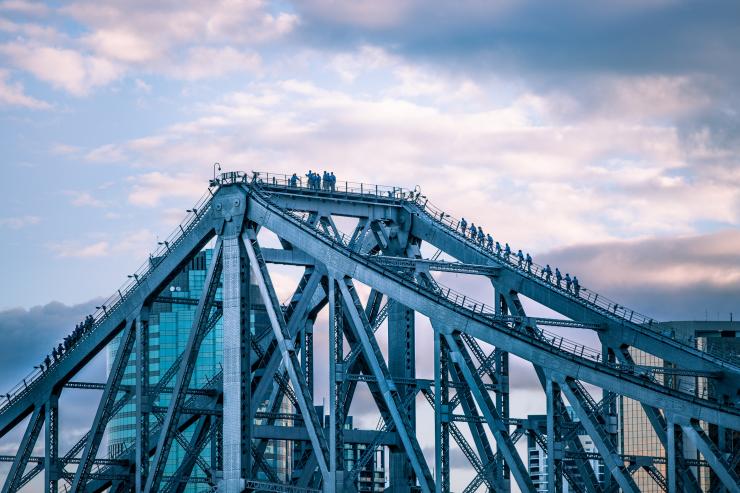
x=110, y=305
x=600, y=303
x=478, y=309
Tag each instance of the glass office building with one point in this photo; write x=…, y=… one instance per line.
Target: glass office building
x=170, y=324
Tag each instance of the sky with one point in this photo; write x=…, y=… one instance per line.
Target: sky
x=602, y=137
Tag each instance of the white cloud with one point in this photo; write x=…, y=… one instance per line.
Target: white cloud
x=13, y=94
x=25, y=7
x=519, y=162
x=142, y=86
x=18, y=222
x=203, y=62
x=150, y=189
x=108, y=153
x=84, y=199
x=61, y=67
x=80, y=250
x=122, y=45
x=199, y=40
x=135, y=243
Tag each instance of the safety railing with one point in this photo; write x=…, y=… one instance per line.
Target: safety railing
x=109, y=306
x=283, y=181
x=477, y=309
x=596, y=301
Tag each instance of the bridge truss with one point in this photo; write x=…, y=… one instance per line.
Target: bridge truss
x=692, y=398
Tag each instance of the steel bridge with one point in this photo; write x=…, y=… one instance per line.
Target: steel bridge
x=267, y=379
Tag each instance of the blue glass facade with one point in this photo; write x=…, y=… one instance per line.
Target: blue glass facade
x=169, y=329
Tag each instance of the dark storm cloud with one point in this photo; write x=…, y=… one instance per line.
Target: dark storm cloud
x=27, y=336
x=688, y=278
x=630, y=37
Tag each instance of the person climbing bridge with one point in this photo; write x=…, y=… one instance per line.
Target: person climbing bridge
x=481, y=236
x=568, y=282
x=294, y=180
x=547, y=273
x=558, y=276
x=473, y=231
x=576, y=286
x=463, y=226
x=507, y=252
x=489, y=242
x=528, y=263
x=520, y=258
x=498, y=249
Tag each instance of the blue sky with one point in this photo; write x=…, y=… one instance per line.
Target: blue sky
x=585, y=123
x=600, y=136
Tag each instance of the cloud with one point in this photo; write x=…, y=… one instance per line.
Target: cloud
x=63, y=68
x=108, y=153
x=25, y=7
x=151, y=188
x=137, y=242
x=573, y=172
x=201, y=39
x=13, y=94
x=18, y=222
x=204, y=62
x=690, y=277
x=78, y=249
x=84, y=199
x=518, y=37
x=33, y=331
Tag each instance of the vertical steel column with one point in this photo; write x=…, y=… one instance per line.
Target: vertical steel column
x=336, y=378
x=441, y=416
x=51, y=450
x=671, y=457
x=554, y=450
x=143, y=404
x=610, y=415
x=236, y=376
x=502, y=473
x=334, y=384
x=402, y=365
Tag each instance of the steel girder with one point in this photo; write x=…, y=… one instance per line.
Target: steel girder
x=364, y=333
x=480, y=326
x=24, y=452
x=427, y=228
x=286, y=347
x=281, y=371
x=185, y=372
x=105, y=408
x=161, y=270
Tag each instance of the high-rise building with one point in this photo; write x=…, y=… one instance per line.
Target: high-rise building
x=537, y=456
x=637, y=436
x=169, y=329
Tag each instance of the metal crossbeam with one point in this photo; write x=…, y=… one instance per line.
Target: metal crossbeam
x=595, y=430
x=24, y=451
x=500, y=432
x=185, y=372
x=287, y=350
x=276, y=363
x=106, y=405
x=363, y=331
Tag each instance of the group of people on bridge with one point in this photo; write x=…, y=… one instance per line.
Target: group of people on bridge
x=523, y=261
x=69, y=342
x=326, y=182
x=486, y=241
x=571, y=285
